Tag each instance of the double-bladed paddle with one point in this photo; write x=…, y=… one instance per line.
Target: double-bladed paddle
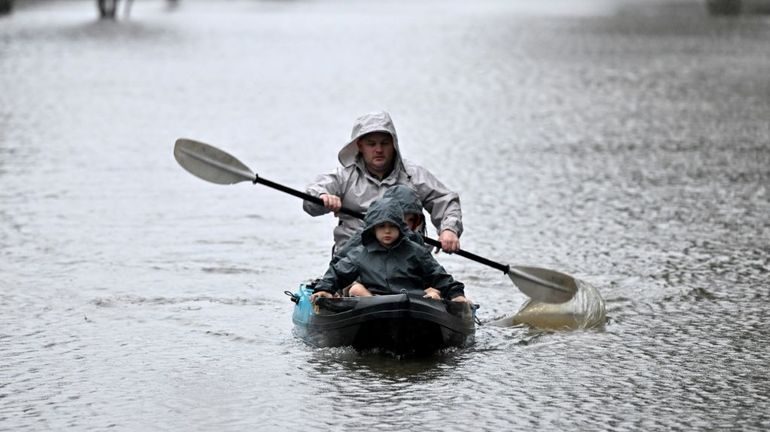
x=217, y=166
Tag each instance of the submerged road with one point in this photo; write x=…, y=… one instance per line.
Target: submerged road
x=626, y=143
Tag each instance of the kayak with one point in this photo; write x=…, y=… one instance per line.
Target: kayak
x=396, y=323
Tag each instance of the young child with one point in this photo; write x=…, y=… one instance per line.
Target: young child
x=387, y=261
x=413, y=218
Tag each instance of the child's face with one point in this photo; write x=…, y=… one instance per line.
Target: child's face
x=412, y=220
x=386, y=233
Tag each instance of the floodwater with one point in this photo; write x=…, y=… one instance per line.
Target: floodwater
x=625, y=143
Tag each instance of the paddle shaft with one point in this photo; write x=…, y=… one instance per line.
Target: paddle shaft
x=315, y=200
x=214, y=165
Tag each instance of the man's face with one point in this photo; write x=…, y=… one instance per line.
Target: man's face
x=386, y=233
x=378, y=152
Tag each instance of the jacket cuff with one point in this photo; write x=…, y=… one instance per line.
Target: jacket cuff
x=455, y=227
x=455, y=293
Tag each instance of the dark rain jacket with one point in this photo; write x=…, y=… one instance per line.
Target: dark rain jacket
x=405, y=197
x=406, y=265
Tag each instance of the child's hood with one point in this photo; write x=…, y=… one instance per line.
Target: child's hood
x=406, y=198
x=382, y=210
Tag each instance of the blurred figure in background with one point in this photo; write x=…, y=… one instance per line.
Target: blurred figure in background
x=107, y=8
x=6, y=6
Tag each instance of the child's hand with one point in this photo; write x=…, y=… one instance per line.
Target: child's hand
x=357, y=289
x=315, y=296
x=461, y=299
x=432, y=293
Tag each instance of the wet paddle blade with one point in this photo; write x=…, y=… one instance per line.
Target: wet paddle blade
x=210, y=163
x=543, y=285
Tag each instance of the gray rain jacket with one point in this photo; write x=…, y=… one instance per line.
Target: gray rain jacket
x=357, y=188
x=405, y=265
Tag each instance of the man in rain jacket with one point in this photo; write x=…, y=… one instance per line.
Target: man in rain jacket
x=371, y=162
x=387, y=262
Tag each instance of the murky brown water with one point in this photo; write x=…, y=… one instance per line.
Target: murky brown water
x=628, y=145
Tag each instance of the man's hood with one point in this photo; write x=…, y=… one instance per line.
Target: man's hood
x=368, y=123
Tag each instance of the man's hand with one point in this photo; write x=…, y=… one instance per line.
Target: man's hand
x=331, y=202
x=449, y=241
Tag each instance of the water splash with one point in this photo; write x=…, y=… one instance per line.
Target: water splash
x=586, y=310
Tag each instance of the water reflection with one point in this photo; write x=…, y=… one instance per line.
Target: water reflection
x=378, y=366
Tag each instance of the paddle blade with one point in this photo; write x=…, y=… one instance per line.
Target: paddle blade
x=210, y=163
x=543, y=285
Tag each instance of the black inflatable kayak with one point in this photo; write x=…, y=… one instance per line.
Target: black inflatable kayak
x=399, y=323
